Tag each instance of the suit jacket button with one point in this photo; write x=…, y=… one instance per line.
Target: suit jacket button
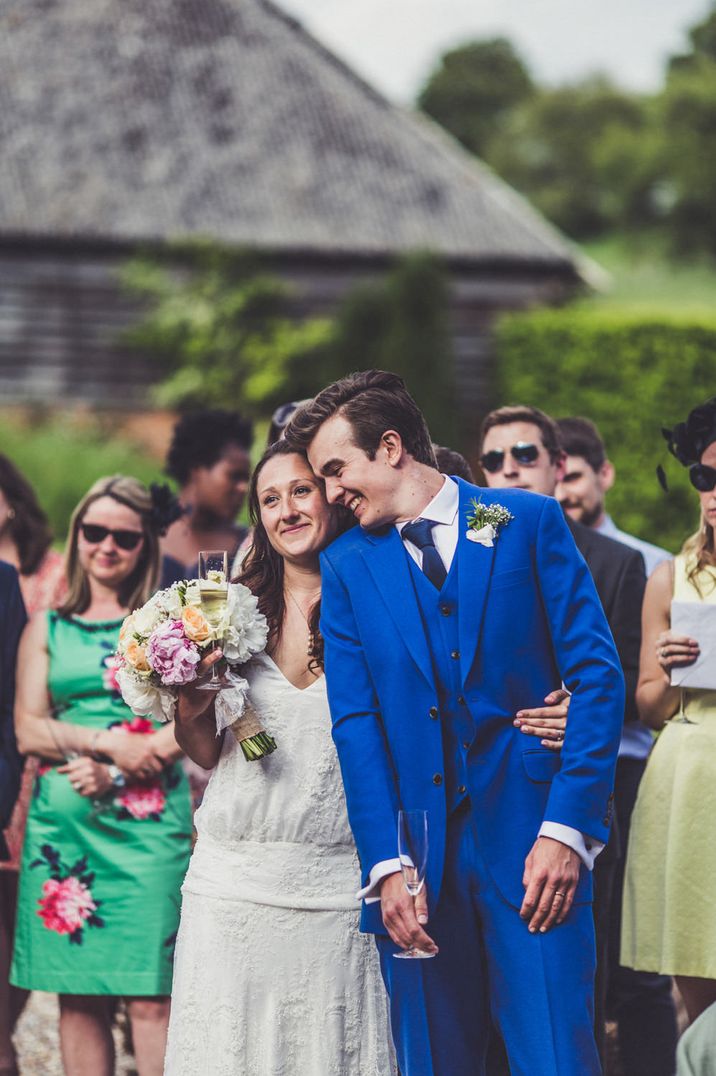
x=455, y=654
x=466, y=744
x=445, y=610
x=437, y=779
x=433, y=712
x=461, y=789
x=461, y=700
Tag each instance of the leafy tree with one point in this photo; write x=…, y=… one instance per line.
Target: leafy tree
x=474, y=88
x=221, y=329
x=401, y=324
x=586, y=155
x=688, y=111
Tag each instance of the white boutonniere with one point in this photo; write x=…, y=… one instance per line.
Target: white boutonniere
x=485, y=521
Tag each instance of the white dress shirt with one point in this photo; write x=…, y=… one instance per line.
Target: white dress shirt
x=443, y=512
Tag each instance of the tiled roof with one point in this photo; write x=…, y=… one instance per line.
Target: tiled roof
x=161, y=119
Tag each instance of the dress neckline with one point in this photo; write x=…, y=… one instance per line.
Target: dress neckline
x=92, y=625
x=299, y=690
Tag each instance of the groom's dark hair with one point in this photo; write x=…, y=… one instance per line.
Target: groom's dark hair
x=373, y=401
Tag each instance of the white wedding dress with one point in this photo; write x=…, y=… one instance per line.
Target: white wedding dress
x=272, y=976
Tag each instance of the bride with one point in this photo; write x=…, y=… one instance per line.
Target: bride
x=271, y=974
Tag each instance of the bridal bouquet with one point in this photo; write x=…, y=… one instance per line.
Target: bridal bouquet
x=161, y=645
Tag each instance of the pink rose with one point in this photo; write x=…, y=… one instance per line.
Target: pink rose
x=142, y=800
x=171, y=654
x=109, y=677
x=65, y=905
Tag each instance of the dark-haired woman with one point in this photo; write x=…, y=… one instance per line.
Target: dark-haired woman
x=209, y=458
x=669, y=918
x=272, y=975
x=25, y=542
x=109, y=830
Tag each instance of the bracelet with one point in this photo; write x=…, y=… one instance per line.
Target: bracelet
x=93, y=745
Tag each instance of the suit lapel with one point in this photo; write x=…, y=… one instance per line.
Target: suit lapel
x=387, y=562
x=474, y=567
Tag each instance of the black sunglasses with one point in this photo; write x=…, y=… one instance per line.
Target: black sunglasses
x=703, y=478
x=94, y=533
x=523, y=452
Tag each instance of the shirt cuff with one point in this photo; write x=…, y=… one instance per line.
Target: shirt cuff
x=586, y=847
x=370, y=893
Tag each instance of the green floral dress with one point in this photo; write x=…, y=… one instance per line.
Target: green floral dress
x=98, y=907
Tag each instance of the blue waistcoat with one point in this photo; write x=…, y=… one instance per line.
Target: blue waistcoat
x=439, y=613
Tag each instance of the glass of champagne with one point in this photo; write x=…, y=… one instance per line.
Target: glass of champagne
x=413, y=855
x=214, y=591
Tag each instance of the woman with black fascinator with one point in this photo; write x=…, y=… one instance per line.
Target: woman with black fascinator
x=669, y=919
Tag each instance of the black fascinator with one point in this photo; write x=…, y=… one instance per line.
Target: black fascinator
x=165, y=508
x=688, y=440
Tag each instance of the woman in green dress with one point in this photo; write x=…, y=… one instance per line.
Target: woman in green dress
x=109, y=828
x=669, y=916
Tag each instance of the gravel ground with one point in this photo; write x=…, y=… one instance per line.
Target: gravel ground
x=37, y=1045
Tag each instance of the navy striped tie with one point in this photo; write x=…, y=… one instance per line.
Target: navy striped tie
x=420, y=533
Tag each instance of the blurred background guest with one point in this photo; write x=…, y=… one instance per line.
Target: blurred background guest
x=668, y=924
x=281, y=418
x=209, y=458
x=640, y=1002
x=588, y=476
x=12, y=621
x=108, y=833
x=451, y=462
x=25, y=542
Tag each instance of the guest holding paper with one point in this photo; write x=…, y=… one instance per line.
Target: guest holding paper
x=669, y=916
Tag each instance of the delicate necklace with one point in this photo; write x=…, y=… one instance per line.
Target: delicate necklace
x=312, y=652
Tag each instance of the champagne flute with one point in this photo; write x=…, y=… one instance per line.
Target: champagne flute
x=413, y=855
x=214, y=591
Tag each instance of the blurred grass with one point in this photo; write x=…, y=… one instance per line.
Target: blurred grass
x=646, y=279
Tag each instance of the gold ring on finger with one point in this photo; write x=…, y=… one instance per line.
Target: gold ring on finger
x=560, y=895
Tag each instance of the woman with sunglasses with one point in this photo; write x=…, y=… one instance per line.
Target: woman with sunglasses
x=272, y=974
x=669, y=923
x=109, y=828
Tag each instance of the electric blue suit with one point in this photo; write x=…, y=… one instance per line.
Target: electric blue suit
x=423, y=688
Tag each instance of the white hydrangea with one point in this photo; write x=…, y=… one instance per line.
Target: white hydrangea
x=143, y=698
x=247, y=630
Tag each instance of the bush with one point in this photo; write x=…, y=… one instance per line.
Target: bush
x=61, y=456
x=631, y=374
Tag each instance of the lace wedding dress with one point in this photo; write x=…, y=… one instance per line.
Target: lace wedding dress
x=271, y=974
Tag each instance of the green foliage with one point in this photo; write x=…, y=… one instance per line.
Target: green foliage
x=63, y=455
x=222, y=330
x=474, y=88
x=400, y=324
x=631, y=375
x=584, y=154
x=689, y=123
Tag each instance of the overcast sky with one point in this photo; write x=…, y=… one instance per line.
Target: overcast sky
x=395, y=43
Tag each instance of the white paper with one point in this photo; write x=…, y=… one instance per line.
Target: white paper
x=697, y=620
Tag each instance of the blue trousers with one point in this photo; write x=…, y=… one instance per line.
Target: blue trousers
x=538, y=988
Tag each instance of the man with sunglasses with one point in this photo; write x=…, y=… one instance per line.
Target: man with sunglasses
x=521, y=448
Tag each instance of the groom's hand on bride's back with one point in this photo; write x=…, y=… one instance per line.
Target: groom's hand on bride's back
x=403, y=914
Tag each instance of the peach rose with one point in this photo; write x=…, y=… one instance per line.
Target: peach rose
x=136, y=656
x=196, y=626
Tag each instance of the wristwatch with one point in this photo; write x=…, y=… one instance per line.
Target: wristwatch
x=117, y=777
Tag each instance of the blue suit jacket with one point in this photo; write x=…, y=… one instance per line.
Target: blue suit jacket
x=529, y=618
x=12, y=621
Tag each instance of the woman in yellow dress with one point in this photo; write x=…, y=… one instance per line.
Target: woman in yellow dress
x=669, y=916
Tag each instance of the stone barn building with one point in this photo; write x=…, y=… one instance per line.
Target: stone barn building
x=131, y=123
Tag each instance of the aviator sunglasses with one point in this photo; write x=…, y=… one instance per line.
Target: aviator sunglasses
x=702, y=478
x=523, y=452
x=94, y=533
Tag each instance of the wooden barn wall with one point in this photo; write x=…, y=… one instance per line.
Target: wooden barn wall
x=62, y=317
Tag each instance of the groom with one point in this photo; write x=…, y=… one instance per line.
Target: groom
x=433, y=640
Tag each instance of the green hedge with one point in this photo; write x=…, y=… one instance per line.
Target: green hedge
x=631, y=374
x=62, y=455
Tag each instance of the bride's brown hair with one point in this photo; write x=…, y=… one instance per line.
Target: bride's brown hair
x=262, y=567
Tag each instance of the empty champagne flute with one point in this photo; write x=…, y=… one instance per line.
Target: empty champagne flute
x=413, y=855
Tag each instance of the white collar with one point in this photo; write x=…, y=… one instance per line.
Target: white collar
x=443, y=507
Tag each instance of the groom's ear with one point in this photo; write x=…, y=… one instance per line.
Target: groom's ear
x=392, y=443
